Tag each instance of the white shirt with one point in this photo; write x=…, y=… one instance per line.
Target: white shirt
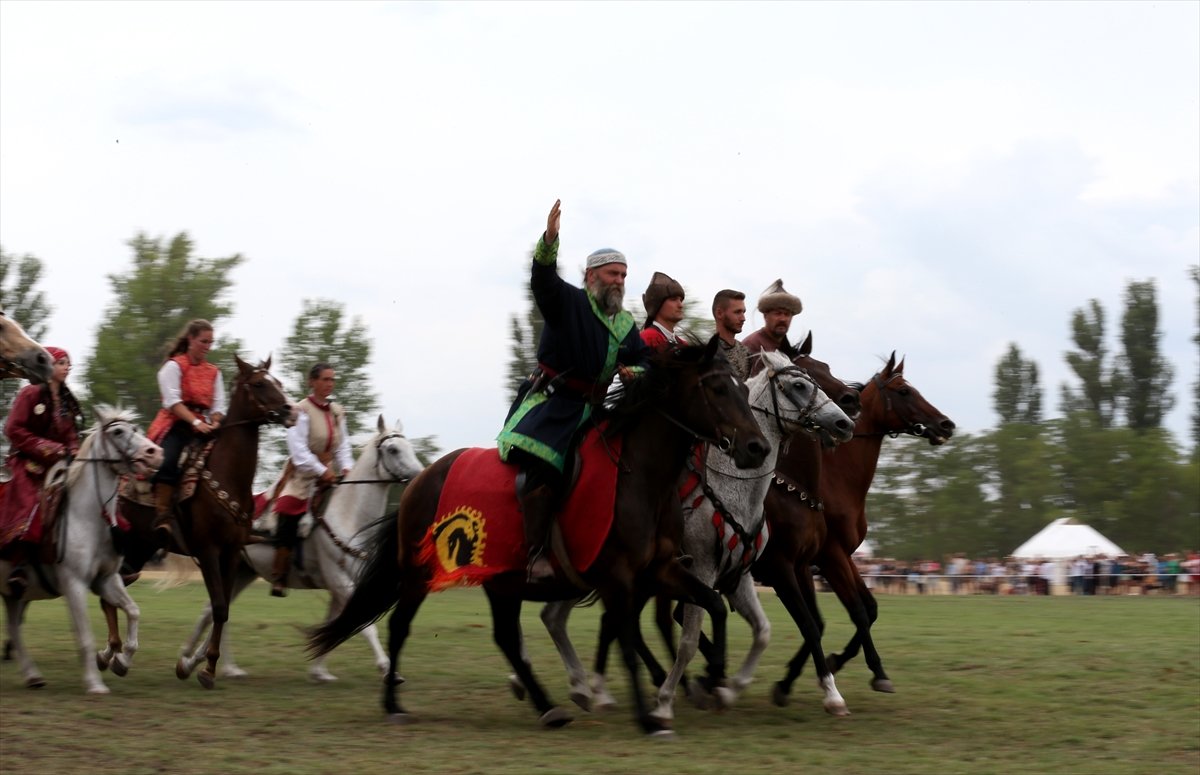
x=670, y=335
x=304, y=459
x=170, y=387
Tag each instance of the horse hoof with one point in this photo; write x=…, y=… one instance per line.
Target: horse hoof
x=206, y=678
x=837, y=710
x=101, y=689
x=120, y=668
x=101, y=662
x=36, y=682
x=661, y=734
x=723, y=697
x=182, y=671
x=583, y=700
x=322, y=678
x=401, y=719
x=555, y=717
x=516, y=687
x=779, y=696
x=606, y=703
x=235, y=673
x=883, y=685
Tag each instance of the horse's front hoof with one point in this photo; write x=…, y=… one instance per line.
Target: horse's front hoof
x=883, y=685
x=723, y=697
x=582, y=699
x=182, y=671
x=555, y=717
x=101, y=661
x=235, y=673
x=101, y=689
x=662, y=734
x=206, y=678
x=779, y=696
x=35, y=682
x=837, y=709
x=120, y=667
x=401, y=718
x=516, y=687
x=657, y=728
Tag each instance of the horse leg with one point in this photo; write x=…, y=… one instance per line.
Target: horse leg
x=75, y=592
x=554, y=616
x=412, y=594
x=850, y=588
x=113, y=647
x=608, y=633
x=788, y=589
x=192, y=652
x=685, y=586
x=745, y=601
x=14, y=611
x=688, y=642
x=622, y=613
x=506, y=631
x=217, y=567
x=113, y=593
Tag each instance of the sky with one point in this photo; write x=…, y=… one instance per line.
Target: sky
x=938, y=179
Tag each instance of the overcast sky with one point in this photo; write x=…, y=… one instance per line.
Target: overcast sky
x=941, y=179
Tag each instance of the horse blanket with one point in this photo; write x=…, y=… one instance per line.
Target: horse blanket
x=479, y=532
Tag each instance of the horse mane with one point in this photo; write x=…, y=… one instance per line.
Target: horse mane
x=629, y=400
x=104, y=415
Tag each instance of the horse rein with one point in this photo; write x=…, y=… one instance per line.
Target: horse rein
x=725, y=443
x=911, y=428
x=804, y=418
x=379, y=446
x=268, y=415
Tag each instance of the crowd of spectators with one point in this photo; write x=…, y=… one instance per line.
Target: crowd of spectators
x=1148, y=574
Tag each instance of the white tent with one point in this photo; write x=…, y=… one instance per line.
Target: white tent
x=1066, y=538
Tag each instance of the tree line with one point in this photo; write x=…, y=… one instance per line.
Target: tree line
x=166, y=286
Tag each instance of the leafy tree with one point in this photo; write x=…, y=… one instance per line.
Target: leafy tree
x=321, y=334
x=1145, y=375
x=22, y=302
x=526, y=331
x=1017, y=397
x=1097, y=393
x=165, y=288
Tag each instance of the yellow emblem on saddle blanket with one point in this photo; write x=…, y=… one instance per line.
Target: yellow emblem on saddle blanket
x=459, y=538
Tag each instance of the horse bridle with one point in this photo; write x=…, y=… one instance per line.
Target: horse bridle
x=266, y=415
x=725, y=443
x=804, y=419
x=912, y=428
x=378, y=457
x=126, y=457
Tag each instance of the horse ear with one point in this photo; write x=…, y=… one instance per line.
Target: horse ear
x=399, y=426
x=900, y=365
x=267, y=363
x=243, y=367
x=806, y=348
x=891, y=364
x=381, y=425
x=710, y=350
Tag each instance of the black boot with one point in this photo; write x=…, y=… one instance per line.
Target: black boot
x=537, y=507
x=279, y=573
x=165, y=528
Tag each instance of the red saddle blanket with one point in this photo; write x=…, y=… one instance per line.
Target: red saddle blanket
x=479, y=531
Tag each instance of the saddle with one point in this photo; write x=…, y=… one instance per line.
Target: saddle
x=50, y=505
x=191, y=462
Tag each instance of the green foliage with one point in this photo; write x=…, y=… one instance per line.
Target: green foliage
x=164, y=289
x=1145, y=375
x=23, y=302
x=1098, y=389
x=1018, y=396
x=321, y=334
x=526, y=332
x=1194, y=273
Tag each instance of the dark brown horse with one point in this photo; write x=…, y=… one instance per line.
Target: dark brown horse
x=890, y=406
x=215, y=522
x=686, y=395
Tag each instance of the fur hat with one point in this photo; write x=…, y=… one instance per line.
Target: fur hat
x=605, y=256
x=776, y=297
x=660, y=289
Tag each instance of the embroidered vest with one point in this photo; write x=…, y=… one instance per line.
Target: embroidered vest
x=195, y=389
x=324, y=428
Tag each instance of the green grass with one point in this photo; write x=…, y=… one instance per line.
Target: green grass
x=984, y=685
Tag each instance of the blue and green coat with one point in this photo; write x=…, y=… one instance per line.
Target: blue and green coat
x=579, y=342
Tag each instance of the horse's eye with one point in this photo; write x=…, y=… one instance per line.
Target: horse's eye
x=904, y=391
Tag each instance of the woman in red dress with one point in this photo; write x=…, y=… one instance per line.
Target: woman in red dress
x=43, y=427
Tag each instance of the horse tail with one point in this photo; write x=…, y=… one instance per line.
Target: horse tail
x=376, y=589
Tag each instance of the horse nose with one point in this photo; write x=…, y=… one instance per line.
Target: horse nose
x=850, y=403
x=845, y=429
x=759, y=448
x=946, y=426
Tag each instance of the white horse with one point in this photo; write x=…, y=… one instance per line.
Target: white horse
x=88, y=557
x=784, y=399
x=330, y=552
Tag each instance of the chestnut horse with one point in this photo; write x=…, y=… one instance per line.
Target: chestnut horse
x=890, y=406
x=215, y=522
x=20, y=356
x=686, y=395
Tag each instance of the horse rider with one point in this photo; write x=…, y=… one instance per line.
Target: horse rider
x=663, y=301
x=43, y=426
x=193, y=405
x=729, y=314
x=588, y=336
x=778, y=307
x=318, y=455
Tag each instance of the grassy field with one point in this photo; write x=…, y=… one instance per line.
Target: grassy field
x=984, y=685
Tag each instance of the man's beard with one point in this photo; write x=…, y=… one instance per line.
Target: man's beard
x=609, y=297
